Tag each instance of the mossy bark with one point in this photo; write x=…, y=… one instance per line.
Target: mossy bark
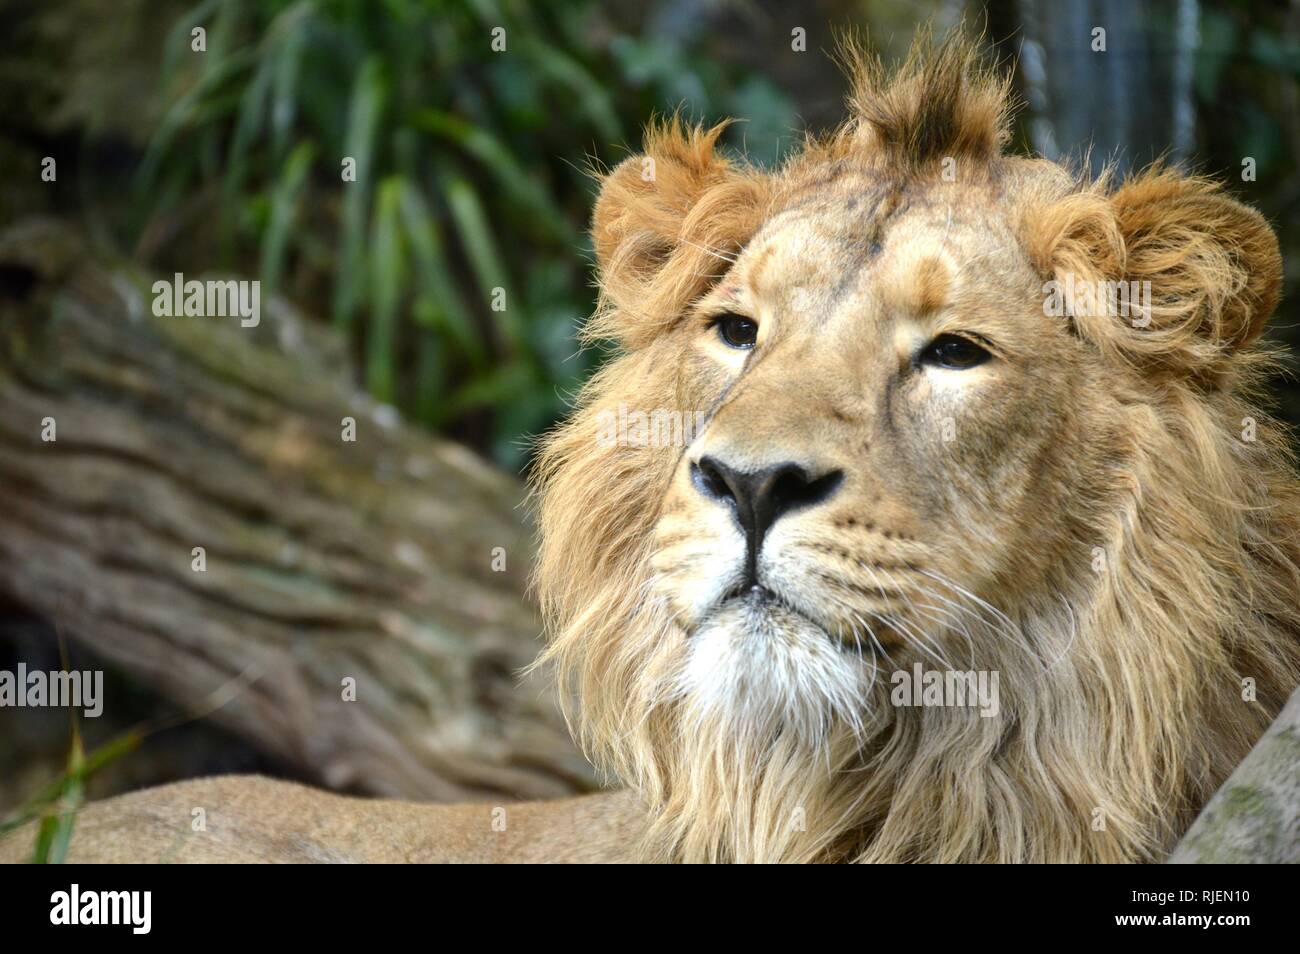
x=326, y=560
x=1255, y=816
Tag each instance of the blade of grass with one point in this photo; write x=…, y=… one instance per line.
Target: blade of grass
x=177, y=42
x=501, y=386
x=181, y=114
x=55, y=832
x=387, y=284
x=289, y=32
x=81, y=767
x=252, y=113
x=449, y=313
x=106, y=754
x=587, y=91
x=284, y=207
x=431, y=371
x=484, y=257
x=514, y=179
x=221, y=36
x=368, y=95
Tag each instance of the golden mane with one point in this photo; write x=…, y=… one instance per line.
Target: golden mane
x=1134, y=711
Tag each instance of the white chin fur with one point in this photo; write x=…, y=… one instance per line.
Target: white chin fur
x=768, y=669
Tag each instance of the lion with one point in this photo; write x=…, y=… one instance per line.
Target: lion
x=963, y=413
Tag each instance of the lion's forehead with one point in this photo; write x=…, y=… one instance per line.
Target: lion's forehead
x=906, y=251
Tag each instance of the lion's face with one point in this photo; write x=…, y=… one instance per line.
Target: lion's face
x=889, y=451
x=887, y=406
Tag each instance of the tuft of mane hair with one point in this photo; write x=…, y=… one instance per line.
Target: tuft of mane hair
x=665, y=223
x=943, y=102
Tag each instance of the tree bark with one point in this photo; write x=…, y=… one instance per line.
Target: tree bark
x=326, y=560
x=1255, y=816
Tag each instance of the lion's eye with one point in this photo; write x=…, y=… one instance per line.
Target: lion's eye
x=954, y=353
x=736, y=331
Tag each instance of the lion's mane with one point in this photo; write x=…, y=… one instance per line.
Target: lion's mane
x=1134, y=711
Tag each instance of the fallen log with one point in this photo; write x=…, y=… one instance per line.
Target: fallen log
x=1254, y=817
x=216, y=508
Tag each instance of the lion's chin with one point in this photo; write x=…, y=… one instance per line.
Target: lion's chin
x=763, y=666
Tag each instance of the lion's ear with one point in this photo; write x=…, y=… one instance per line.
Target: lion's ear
x=1213, y=263
x=1203, y=271
x=667, y=223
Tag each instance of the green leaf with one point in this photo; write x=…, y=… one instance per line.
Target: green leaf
x=106, y=754
x=55, y=830
x=368, y=96
x=387, y=285
x=430, y=372
x=484, y=256
x=177, y=42
x=284, y=207
x=252, y=112
x=182, y=114
x=448, y=311
x=588, y=92
x=519, y=185
x=289, y=33
x=502, y=385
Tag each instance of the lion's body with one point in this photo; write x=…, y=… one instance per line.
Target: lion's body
x=1088, y=508
x=247, y=818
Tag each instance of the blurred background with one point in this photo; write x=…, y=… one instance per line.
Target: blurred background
x=439, y=293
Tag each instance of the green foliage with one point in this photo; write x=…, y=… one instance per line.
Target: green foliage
x=57, y=804
x=456, y=261
x=1247, y=89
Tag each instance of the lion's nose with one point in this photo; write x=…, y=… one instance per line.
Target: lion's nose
x=759, y=498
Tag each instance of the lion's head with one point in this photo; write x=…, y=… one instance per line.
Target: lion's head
x=879, y=414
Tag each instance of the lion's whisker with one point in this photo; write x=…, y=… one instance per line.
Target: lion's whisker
x=732, y=259
x=920, y=639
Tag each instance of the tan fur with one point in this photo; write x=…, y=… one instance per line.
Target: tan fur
x=1081, y=514
x=1099, y=532
x=253, y=819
